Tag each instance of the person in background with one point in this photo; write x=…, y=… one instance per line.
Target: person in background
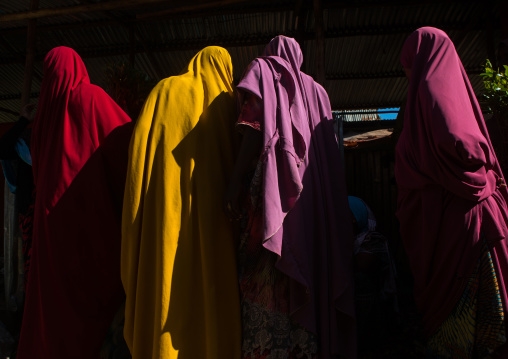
x=178, y=253
x=17, y=167
x=451, y=205
x=288, y=191
x=78, y=149
x=375, y=278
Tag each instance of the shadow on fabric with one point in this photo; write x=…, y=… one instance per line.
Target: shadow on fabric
x=204, y=315
x=84, y=258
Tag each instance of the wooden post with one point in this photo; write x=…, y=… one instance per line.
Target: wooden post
x=299, y=18
x=132, y=45
x=29, y=61
x=320, y=42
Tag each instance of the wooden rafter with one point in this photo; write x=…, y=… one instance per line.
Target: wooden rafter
x=210, y=5
x=233, y=41
x=110, y=6
x=260, y=8
x=72, y=10
x=182, y=7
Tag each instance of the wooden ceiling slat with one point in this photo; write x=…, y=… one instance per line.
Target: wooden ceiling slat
x=78, y=9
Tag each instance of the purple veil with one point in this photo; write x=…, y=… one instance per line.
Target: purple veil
x=305, y=213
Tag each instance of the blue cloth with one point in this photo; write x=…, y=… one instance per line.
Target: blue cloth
x=10, y=168
x=23, y=151
x=361, y=213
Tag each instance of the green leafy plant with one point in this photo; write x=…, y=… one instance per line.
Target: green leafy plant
x=495, y=96
x=494, y=100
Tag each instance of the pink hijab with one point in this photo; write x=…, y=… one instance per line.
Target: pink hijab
x=305, y=213
x=448, y=177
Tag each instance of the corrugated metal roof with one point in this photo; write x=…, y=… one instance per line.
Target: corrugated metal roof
x=358, y=115
x=363, y=40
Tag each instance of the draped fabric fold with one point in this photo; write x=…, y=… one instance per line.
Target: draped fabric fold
x=79, y=143
x=178, y=253
x=448, y=176
x=305, y=215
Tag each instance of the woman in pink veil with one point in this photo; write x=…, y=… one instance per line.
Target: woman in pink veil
x=451, y=204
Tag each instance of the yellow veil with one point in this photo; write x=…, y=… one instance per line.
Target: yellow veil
x=178, y=254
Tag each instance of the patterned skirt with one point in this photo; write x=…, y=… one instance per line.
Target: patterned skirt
x=267, y=329
x=476, y=326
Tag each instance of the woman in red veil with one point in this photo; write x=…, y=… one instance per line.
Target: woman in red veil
x=79, y=147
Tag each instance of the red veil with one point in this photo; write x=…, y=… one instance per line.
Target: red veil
x=79, y=150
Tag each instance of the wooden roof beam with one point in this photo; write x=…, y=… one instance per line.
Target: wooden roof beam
x=72, y=10
x=207, y=8
x=30, y=54
x=111, y=6
x=194, y=44
x=210, y=8
x=330, y=33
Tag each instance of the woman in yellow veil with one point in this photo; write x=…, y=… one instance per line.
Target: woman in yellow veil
x=178, y=254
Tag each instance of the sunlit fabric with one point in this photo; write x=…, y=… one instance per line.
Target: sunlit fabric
x=178, y=253
x=451, y=191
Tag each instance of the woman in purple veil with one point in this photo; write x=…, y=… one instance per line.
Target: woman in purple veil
x=288, y=192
